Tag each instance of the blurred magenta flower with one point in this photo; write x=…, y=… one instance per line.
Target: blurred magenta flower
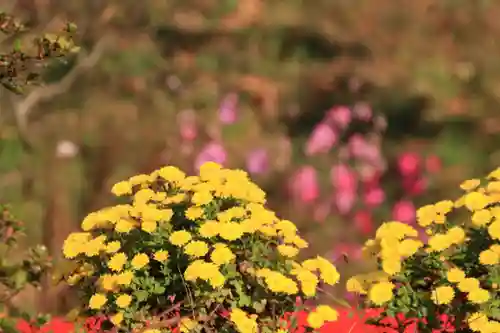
x=409, y=164
x=367, y=171
x=373, y=196
x=344, y=200
x=414, y=185
x=212, y=152
x=433, y=164
x=186, y=121
x=373, y=180
x=404, y=211
x=321, y=140
x=363, y=221
x=227, y=109
x=341, y=116
x=304, y=184
x=343, y=177
x=257, y=161
x=357, y=145
x=362, y=111
x=345, y=183
x=360, y=148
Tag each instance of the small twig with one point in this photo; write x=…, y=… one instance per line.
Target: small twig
x=190, y=296
x=164, y=323
x=23, y=109
x=172, y=308
x=334, y=298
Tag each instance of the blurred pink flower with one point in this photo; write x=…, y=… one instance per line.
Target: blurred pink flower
x=212, y=152
x=414, y=186
x=367, y=171
x=363, y=222
x=404, y=211
x=343, y=177
x=362, y=149
x=374, y=196
x=409, y=164
x=186, y=121
x=372, y=153
x=373, y=180
x=257, y=161
x=362, y=111
x=227, y=109
x=304, y=184
x=321, y=212
x=344, y=200
x=321, y=140
x=341, y=116
x=433, y=164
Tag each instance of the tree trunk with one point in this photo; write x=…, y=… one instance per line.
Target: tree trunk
x=58, y=222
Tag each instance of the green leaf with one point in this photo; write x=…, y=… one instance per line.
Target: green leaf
x=158, y=289
x=17, y=45
x=225, y=292
x=244, y=300
x=141, y=295
x=231, y=271
x=259, y=306
x=7, y=326
x=20, y=278
x=266, y=329
x=391, y=313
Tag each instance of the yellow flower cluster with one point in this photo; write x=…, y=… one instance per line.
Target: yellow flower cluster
x=243, y=322
x=277, y=282
x=308, y=273
x=206, y=271
x=321, y=315
x=461, y=258
x=200, y=226
x=393, y=242
x=467, y=285
x=479, y=322
x=443, y=295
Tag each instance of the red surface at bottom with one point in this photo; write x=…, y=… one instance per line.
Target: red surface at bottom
x=348, y=322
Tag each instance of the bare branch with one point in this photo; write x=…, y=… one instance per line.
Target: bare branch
x=23, y=108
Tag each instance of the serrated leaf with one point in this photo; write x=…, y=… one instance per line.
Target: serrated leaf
x=141, y=295
x=244, y=300
x=259, y=306
x=158, y=290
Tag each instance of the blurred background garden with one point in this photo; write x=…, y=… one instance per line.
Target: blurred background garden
x=347, y=113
